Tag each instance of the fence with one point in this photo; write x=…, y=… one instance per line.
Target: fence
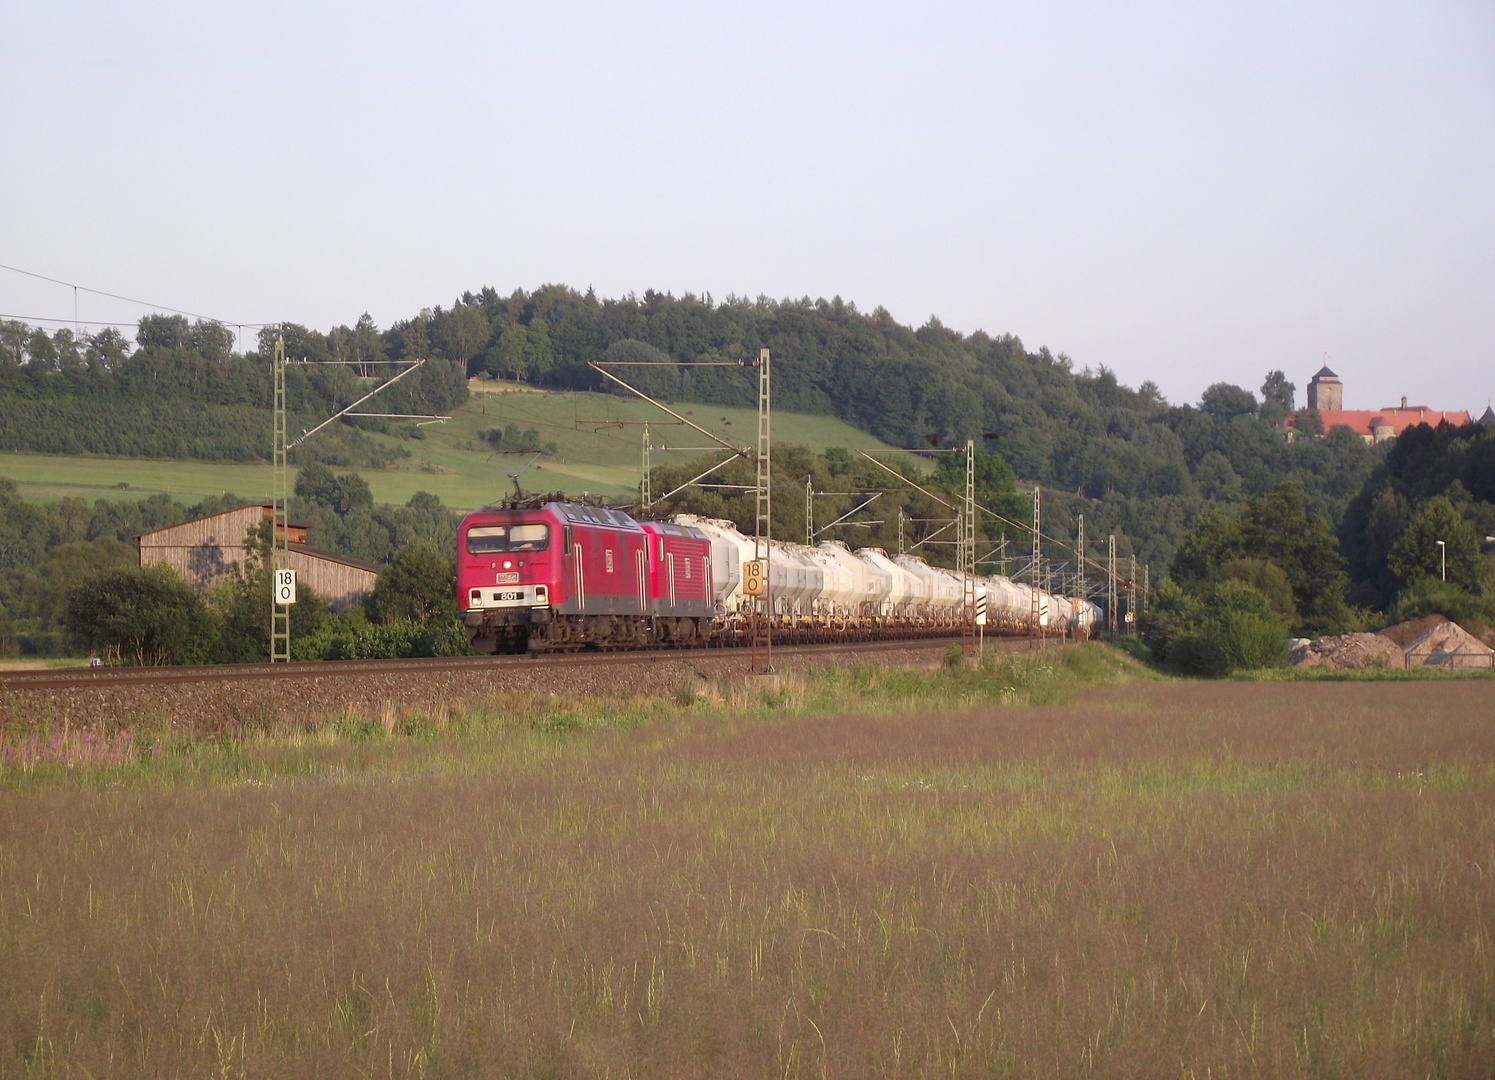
x=1453, y=661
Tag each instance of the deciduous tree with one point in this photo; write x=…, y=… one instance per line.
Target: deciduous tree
x=1416, y=556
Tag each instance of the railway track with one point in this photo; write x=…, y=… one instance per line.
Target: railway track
x=102, y=678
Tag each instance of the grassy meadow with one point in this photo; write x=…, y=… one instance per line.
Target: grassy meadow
x=597, y=438
x=1051, y=866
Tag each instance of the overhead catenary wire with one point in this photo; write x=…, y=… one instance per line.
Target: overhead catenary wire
x=41, y=320
x=128, y=299
x=1004, y=520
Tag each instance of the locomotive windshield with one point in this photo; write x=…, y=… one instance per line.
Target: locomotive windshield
x=483, y=539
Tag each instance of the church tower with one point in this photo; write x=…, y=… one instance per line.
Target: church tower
x=1325, y=391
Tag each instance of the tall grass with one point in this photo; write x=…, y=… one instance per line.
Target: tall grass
x=42, y=747
x=1155, y=879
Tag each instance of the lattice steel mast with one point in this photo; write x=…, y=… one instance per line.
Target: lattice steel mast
x=763, y=528
x=643, y=492
x=968, y=543
x=1111, y=597
x=280, y=540
x=809, y=511
x=1080, y=568
x=280, y=534
x=1036, y=616
x=1131, y=600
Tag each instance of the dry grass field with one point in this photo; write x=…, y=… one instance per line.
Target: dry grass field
x=1148, y=879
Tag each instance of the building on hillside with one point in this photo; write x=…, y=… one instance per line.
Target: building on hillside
x=1326, y=394
x=203, y=551
x=1488, y=419
x=1325, y=391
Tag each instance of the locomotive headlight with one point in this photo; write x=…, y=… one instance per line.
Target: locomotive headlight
x=542, y=594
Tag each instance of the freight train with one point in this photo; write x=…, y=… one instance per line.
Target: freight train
x=564, y=576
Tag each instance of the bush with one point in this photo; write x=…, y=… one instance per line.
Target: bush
x=340, y=494
x=330, y=638
x=510, y=437
x=404, y=638
x=420, y=585
x=1235, y=641
x=1230, y=627
x=1170, y=612
x=1430, y=596
x=1267, y=578
x=240, y=604
x=8, y=644
x=140, y=615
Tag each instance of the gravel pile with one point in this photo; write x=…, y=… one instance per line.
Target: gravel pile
x=1406, y=633
x=1347, y=652
x=1432, y=641
x=1449, y=645
x=232, y=705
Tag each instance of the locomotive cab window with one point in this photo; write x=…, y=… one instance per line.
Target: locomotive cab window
x=483, y=539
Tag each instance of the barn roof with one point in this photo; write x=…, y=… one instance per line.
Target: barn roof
x=327, y=556
x=292, y=523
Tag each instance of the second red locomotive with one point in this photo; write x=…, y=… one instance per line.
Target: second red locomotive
x=565, y=575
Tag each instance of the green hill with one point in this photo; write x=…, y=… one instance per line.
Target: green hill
x=1133, y=464
x=597, y=440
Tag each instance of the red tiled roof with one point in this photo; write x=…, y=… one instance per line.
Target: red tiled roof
x=1364, y=421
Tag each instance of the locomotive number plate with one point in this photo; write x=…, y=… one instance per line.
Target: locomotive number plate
x=509, y=596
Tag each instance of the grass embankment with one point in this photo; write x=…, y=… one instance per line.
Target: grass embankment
x=1159, y=879
x=594, y=453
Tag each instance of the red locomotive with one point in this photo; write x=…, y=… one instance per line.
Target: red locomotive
x=564, y=575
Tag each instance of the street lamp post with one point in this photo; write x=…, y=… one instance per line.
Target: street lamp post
x=1442, y=559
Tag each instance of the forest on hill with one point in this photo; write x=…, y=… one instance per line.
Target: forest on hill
x=179, y=390
x=1134, y=464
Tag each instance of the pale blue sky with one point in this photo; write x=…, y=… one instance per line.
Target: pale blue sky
x=1182, y=192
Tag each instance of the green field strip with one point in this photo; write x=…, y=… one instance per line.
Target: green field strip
x=598, y=439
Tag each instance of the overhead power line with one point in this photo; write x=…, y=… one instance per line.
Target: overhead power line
x=39, y=320
x=127, y=299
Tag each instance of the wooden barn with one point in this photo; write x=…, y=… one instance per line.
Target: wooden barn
x=202, y=551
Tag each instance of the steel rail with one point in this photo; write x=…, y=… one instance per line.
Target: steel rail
x=319, y=669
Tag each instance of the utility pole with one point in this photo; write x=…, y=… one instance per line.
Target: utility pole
x=968, y=543
x=1131, y=600
x=1037, y=613
x=644, y=500
x=960, y=541
x=283, y=583
x=763, y=530
x=1080, y=566
x=1003, y=556
x=809, y=511
x=1146, y=592
x=280, y=528
x=900, y=528
x=1111, y=598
